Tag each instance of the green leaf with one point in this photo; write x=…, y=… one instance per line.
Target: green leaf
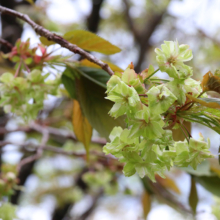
x=91, y=97
x=206, y=116
x=210, y=183
x=46, y=42
x=68, y=80
x=98, y=76
x=193, y=196
x=91, y=42
x=29, y=60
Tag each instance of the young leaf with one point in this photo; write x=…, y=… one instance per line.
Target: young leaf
x=146, y=203
x=81, y=126
x=193, y=196
x=91, y=42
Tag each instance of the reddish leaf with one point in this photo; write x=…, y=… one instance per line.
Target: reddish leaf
x=211, y=82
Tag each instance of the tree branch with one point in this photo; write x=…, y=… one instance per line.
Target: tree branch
x=52, y=131
x=44, y=147
x=130, y=21
x=142, y=37
x=88, y=212
x=6, y=43
x=56, y=38
x=94, y=17
x=39, y=153
x=106, y=160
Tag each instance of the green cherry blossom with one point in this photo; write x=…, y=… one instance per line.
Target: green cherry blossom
x=170, y=59
x=147, y=125
x=160, y=99
x=126, y=99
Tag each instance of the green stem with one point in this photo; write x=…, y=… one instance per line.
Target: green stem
x=190, y=136
x=151, y=74
x=163, y=80
x=197, y=98
x=201, y=93
x=187, y=138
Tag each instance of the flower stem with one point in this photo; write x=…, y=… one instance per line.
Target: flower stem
x=17, y=70
x=152, y=74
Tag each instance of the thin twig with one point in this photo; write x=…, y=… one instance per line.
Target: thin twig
x=64, y=133
x=57, y=150
x=6, y=43
x=56, y=38
x=130, y=21
x=39, y=153
x=53, y=149
x=52, y=131
x=27, y=68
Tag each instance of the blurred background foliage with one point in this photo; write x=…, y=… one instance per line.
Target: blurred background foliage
x=60, y=187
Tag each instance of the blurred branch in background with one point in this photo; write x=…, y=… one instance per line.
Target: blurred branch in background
x=6, y=43
x=94, y=18
x=142, y=37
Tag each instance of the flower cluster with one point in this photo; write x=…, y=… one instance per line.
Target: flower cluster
x=25, y=96
x=146, y=146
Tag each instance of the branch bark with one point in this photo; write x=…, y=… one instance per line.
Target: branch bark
x=56, y=38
